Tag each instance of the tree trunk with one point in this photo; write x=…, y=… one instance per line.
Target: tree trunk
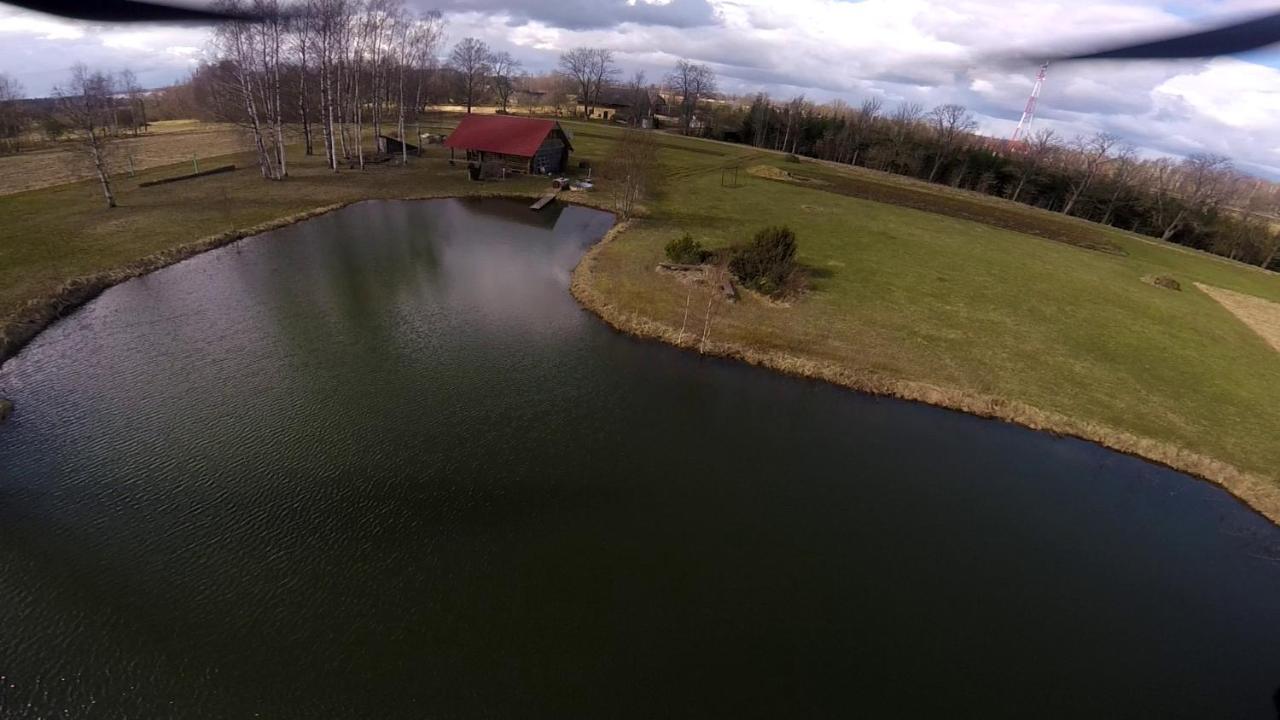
x=264, y=161
x=279, y=107
x=1173, y=227
x=404, y=147
x=1071, y=202
x=302, y=108
x=1022, y=181
x=1111, y=206
x=100, y=167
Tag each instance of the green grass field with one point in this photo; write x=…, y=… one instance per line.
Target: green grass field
x=945, y=294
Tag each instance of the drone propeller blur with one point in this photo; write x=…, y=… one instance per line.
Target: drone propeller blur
x=1237, y=37
x=133, y=11
x=1241, y=36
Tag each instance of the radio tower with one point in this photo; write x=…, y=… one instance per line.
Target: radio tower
x=1029, y=114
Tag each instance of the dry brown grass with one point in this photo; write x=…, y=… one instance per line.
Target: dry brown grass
x=1262, y=316
x=166, y=145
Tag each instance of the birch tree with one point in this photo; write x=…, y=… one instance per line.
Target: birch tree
x=237, y=43
x=86, y=106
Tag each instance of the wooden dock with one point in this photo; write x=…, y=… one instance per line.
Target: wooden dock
x=544, y=200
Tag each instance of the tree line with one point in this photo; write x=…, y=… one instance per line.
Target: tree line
x=1200, y=201
x=328, y=70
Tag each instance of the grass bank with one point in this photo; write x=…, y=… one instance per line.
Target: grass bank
x=970, y=303
x=959, y=301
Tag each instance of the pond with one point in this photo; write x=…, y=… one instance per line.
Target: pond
x=380, y=464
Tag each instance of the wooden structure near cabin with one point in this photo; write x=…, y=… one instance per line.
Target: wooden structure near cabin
x=519, y=144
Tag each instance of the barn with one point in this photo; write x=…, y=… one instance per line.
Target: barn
x=522, y=144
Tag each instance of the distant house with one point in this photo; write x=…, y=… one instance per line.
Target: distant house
x=518, y=143
x=614, y=102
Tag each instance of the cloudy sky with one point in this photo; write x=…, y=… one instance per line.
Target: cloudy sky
x=928, y=51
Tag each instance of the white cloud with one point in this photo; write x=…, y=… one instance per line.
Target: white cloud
x=18, y=23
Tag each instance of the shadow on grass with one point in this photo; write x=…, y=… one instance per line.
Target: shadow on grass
x=1023, y=219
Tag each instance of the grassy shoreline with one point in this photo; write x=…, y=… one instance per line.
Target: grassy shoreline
x=920, y=304
x=1252, y=489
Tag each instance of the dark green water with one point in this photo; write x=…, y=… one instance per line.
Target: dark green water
x=380, y=465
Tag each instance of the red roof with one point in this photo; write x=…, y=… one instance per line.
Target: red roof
x=501, y=134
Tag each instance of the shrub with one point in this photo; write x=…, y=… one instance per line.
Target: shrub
x=768, y=262
x=685, y=250
x=793, y=158
x=1166, y=282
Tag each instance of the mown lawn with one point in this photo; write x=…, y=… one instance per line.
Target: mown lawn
x=941, y=297
x=966, y=306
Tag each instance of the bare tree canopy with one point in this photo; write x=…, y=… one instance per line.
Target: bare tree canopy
x=505, y=71
x=251, y=55
x=472, y=60
x=949, y=123
x=1041, y=146
x=590, y=70
x=86, y=104
x=12, y=119
x=692, y=82
x=1091, y=153
x=631, y=170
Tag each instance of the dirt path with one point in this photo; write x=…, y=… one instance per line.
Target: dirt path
x=1262, y=316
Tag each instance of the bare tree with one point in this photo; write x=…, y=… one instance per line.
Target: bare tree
x=504, y=72
x=630, y=170
x=472, y=60
x=86, y=104
x=949, y=123
x=1269, y=249
x=328, y=32
x=12, y=119
x=860, y=126
x=794, y=112
x=299, y=29
x=426, y=38
x=1041, y=146
x=402, y=53
x=137, y=100
x=590, y=69
x=603, y=73
x=1121, y=170
x=271, y=30
x=638, y=97
x=1091, y=153
x=692, y=81
x=902, y=127
x=245, y=49
x=1202, y=178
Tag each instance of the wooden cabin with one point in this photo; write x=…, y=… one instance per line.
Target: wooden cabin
x=519, y=144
